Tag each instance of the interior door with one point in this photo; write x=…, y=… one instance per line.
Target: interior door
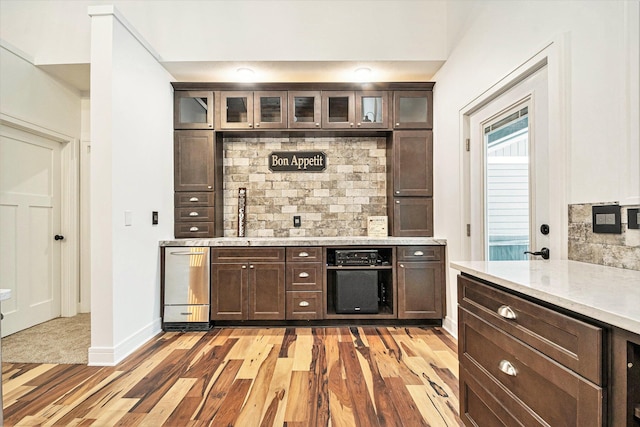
x=509, y=162
x=30, y=181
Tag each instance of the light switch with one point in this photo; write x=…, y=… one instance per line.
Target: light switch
x=606, y=219
x=128, y=218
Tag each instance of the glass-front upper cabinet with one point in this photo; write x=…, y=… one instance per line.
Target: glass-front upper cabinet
x=372, y=109
x=304, y=109
x=193, y=109
x=270, y=110
x=413, y=109
x=338, y=109
x=237, y=110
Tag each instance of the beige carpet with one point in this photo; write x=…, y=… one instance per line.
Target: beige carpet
x=61, y=340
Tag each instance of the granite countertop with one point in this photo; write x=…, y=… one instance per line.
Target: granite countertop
x=5, y=294
x=304, y=241
x=607, y=294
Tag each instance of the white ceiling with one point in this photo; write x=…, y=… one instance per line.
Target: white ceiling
x=208, y=40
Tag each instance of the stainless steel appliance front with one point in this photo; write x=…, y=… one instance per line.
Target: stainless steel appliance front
x=186, y=285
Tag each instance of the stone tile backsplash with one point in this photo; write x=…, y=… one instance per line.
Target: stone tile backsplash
x=335, y=202
x=613, y=250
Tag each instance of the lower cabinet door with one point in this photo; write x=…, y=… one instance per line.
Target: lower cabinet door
x=229, y=291
x=420, y=290
x=266, y=291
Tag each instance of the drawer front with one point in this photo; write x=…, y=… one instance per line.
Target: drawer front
x=304, y=254
x=304, y=305
x=194, y=214
x=193, y=229
x=247, y=254
x=186, y=313
x=571, y=342
x=420, y=253
x=304, y=277
x=557, y=395
x=190, y=198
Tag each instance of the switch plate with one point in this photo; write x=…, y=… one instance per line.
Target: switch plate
x=633, y=216
x=154, y=218
x=606, y=219
x=128, y=218
x=297, y=222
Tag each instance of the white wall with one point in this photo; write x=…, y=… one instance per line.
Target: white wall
x=600, y=105
x=131, y=170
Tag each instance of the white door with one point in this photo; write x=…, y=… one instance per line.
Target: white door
x=509, y=163
x=30, y=177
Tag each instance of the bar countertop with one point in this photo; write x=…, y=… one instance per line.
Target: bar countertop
x=607, y=294
x=304, y=241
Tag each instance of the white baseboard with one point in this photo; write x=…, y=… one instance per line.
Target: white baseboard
x=111, y=356
x=450, y=326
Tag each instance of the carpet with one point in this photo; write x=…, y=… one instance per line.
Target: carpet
x=63, y=340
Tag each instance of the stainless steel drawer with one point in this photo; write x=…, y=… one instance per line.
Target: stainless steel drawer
x=186, y=313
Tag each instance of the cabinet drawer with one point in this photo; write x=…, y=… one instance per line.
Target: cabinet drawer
x=304, y=305
x=304, y=276
x=420, y=253
x=557, y=395
x=194, y=214
x=193, y=229
x=185, y=313
x=304, y=254
x=247, y=254
x=191, y=198
x=571, y=342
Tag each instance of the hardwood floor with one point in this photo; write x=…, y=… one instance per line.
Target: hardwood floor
x=364, y=376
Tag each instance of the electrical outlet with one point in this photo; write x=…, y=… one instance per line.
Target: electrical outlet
x=297, y=222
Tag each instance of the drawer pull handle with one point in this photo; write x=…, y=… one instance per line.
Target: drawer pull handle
x=194, y=229
x=303, y=254
x=304, y=274
x=193, y=213
x=186, y=314
x=506, y=312
x=187, y=253
x=418, y=253
x=506, y=367
x=303, y=303
x=194, y=199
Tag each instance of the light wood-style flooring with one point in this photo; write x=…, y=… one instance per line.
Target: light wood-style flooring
x=346, y=376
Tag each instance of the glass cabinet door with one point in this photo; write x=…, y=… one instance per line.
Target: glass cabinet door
x=338, y=109
x=270, y=110
x=193, y=109
x=412, y=109
x=372, y=109
x=237, y=110
x=304, y=109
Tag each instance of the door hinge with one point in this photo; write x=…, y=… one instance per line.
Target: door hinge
x=467, y=144
x=468, y=230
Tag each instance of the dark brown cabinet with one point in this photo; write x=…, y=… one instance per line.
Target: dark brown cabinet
x=197, y=184
x=248, y=284
x=253, y=110
x=410, y=159
x=420, y=275
x=305, y=109
x=525, y=364
x=413, y=109
x=193, y=109
x=355, y=110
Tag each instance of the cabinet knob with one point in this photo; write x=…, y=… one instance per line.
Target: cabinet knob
x=506, y=367
x=397, y=191
x=210, y=125
x=244, y=266
x=194, y=199
x=397, y=202
x=401, y=265
x=257, y=125
x=194, y=229
x=303, y=274
x=351, y=124
x=506, y=312
x=359, y=124
x=250, y=125
x=303, y=303
x=317, y=125
x=397, y=125
x=251, y=266
x=193, y=213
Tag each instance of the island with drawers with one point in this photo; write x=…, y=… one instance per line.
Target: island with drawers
x=285, y=281
x=548, y=343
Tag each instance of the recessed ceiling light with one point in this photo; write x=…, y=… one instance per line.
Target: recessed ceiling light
x=245, y=73
x=362, y=74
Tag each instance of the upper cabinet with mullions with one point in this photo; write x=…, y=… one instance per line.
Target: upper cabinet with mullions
x=355, y=110
x=193, y=109
x=413, y=109
x=253, y=110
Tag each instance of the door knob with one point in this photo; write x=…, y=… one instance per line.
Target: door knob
x=58, y=237
x=544, y=253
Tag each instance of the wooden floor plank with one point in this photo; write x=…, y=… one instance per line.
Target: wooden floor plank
x=337, y=376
